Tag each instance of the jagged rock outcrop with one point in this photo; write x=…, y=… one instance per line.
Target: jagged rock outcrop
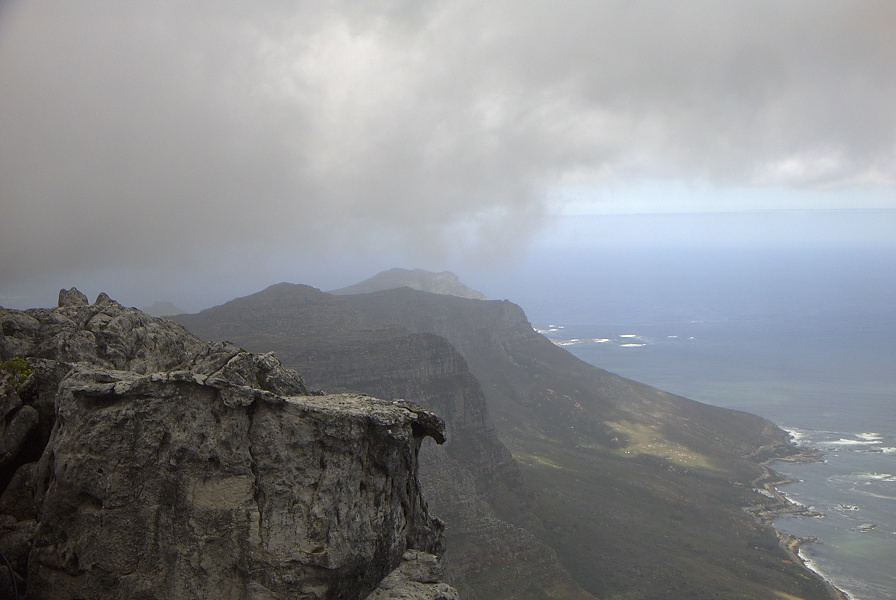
x=145, y=463
x=417, y=578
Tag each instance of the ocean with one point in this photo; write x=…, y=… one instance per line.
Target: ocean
x=805, y=338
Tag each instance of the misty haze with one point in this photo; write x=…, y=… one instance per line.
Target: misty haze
x=505, y=300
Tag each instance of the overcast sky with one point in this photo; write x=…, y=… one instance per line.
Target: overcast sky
x=153, y=147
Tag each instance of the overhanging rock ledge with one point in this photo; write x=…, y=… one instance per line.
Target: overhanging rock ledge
x=159, y=466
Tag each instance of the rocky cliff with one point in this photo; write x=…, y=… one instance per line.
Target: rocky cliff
x=571, y=482
x=141, y=462
x=490, y=555
x=469, y=475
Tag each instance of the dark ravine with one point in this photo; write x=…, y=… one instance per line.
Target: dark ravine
x=141, y=462
x=559, y=480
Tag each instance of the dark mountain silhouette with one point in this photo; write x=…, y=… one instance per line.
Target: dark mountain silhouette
x=445, y=282
x=559, y=479
x=162, y=309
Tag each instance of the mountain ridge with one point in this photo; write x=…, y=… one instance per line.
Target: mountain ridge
x=445, y=282
x=606, y=466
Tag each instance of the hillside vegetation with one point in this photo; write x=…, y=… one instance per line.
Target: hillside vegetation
x=569, y=481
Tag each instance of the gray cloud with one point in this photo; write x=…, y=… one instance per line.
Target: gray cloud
x=150, y=137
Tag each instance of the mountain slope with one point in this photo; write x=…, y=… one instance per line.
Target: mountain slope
x=638, y=493
x=465, y=477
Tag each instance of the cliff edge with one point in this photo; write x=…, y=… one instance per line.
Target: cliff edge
x=560, y=479
x=138, y=461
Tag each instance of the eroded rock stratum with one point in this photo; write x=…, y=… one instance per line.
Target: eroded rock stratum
x=139, y=462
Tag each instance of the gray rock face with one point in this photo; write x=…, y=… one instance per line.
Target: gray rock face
x=72, y=297
x=170, y=468
x=418, y=578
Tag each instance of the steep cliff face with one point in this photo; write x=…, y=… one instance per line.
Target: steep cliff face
x=341, y=348
x=141, y=462
x=471, y=473
x=621, y=490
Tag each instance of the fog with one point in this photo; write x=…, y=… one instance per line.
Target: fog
x=197, y=152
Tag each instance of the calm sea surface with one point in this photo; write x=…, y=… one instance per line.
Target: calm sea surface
x=826, y=404
x=810, y=345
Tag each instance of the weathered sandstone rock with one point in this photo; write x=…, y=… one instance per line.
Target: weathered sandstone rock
x=417, y=578
x=168, y=468
x=164, y=489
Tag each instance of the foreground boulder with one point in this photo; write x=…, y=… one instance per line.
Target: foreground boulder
x=154, y=465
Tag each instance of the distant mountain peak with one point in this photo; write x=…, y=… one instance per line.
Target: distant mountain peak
x=163, y=309
x=446, y=283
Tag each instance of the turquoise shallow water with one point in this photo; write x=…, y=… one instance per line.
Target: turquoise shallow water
x=831, y=383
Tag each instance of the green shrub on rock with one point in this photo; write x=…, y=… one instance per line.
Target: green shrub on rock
x=16, y=370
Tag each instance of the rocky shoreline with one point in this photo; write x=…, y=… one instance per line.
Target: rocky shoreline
x=791, y=545
x=767, y=484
